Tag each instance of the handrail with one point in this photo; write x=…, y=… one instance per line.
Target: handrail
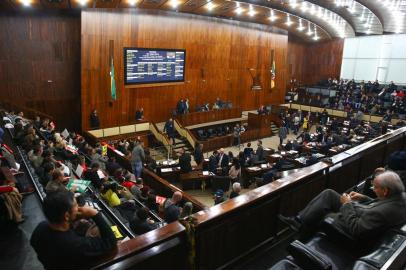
x=184, y=132
x=263, y=204
x=144, y=242
x=160, y=136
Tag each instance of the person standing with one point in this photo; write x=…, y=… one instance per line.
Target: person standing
x=170, y=130
x=94, y=120
x=237, y=135
x=282, y=133
x=139, y=114
x=198, y=155
x=184, y=161
x=137, y=157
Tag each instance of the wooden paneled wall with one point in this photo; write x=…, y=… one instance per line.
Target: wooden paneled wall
x=310, y=63
x=218, y=56
x=40, y=64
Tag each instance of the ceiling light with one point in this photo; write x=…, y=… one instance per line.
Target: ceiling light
x=309, y=30
x=132, y=2
x=301, y=27
x=272, y=18
x=174, y=3
x=210, y=6
x=83, y=2
x=26, y=3
x=288, y=21
x=239, y=10
x=251, y=11
x=293, y=3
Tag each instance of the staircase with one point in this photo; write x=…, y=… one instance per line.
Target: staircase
x=179, y=143
x=274, y=128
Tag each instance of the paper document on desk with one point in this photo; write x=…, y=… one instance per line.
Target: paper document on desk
x=205, y=172
x=166, y=169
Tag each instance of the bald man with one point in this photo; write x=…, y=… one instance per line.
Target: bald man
x=355, y=213
x=171, y=207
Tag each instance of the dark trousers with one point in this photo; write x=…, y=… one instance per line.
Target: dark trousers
x=325, y=203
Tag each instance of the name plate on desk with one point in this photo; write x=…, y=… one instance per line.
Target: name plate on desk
x=164, y=170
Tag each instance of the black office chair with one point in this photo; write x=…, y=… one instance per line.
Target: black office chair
x=201, y=134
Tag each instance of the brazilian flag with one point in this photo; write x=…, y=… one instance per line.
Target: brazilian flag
x=112, y=81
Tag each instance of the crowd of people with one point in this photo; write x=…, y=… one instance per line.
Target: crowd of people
x=367, y=97
x=76, y=228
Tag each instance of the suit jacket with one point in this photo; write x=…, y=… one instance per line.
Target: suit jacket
x=260, y=153
x=213, y=163
x=184, y=163
x=374, y=217
x=198, y=155
x=224, y=160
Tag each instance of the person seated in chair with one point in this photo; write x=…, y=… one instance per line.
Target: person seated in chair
x=58, y=246
x=248, y=151
x=355, y=213
x=184, y=161
x=141, y=224
x=172, y=210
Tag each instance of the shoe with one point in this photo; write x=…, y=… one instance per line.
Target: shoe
x=292, y=222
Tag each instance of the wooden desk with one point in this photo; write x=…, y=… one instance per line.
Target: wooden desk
x=194, y=178
x=195, y=118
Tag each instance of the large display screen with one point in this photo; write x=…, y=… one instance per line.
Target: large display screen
x=145, y=66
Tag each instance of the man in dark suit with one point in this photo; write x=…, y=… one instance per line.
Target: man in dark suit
x=260, y=151
x=355, y=213
x=222, y=159
x=213, y=162
x=184, y=161
x=169, y=128
x=94, y=120
x=139, y=114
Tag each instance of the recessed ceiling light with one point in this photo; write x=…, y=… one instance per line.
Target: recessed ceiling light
x=288, y=21
x=174, y=3
x=239, y=10
x=83, y=2
x=26, y=3
x=132, y=2
x=272, y=17
x=210, y=6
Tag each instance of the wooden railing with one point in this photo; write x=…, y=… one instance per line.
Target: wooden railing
x=28, y=112
x=195, y=118
x=160, y=136
x=186, y=133
x=228, y=231
x=337, y=113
